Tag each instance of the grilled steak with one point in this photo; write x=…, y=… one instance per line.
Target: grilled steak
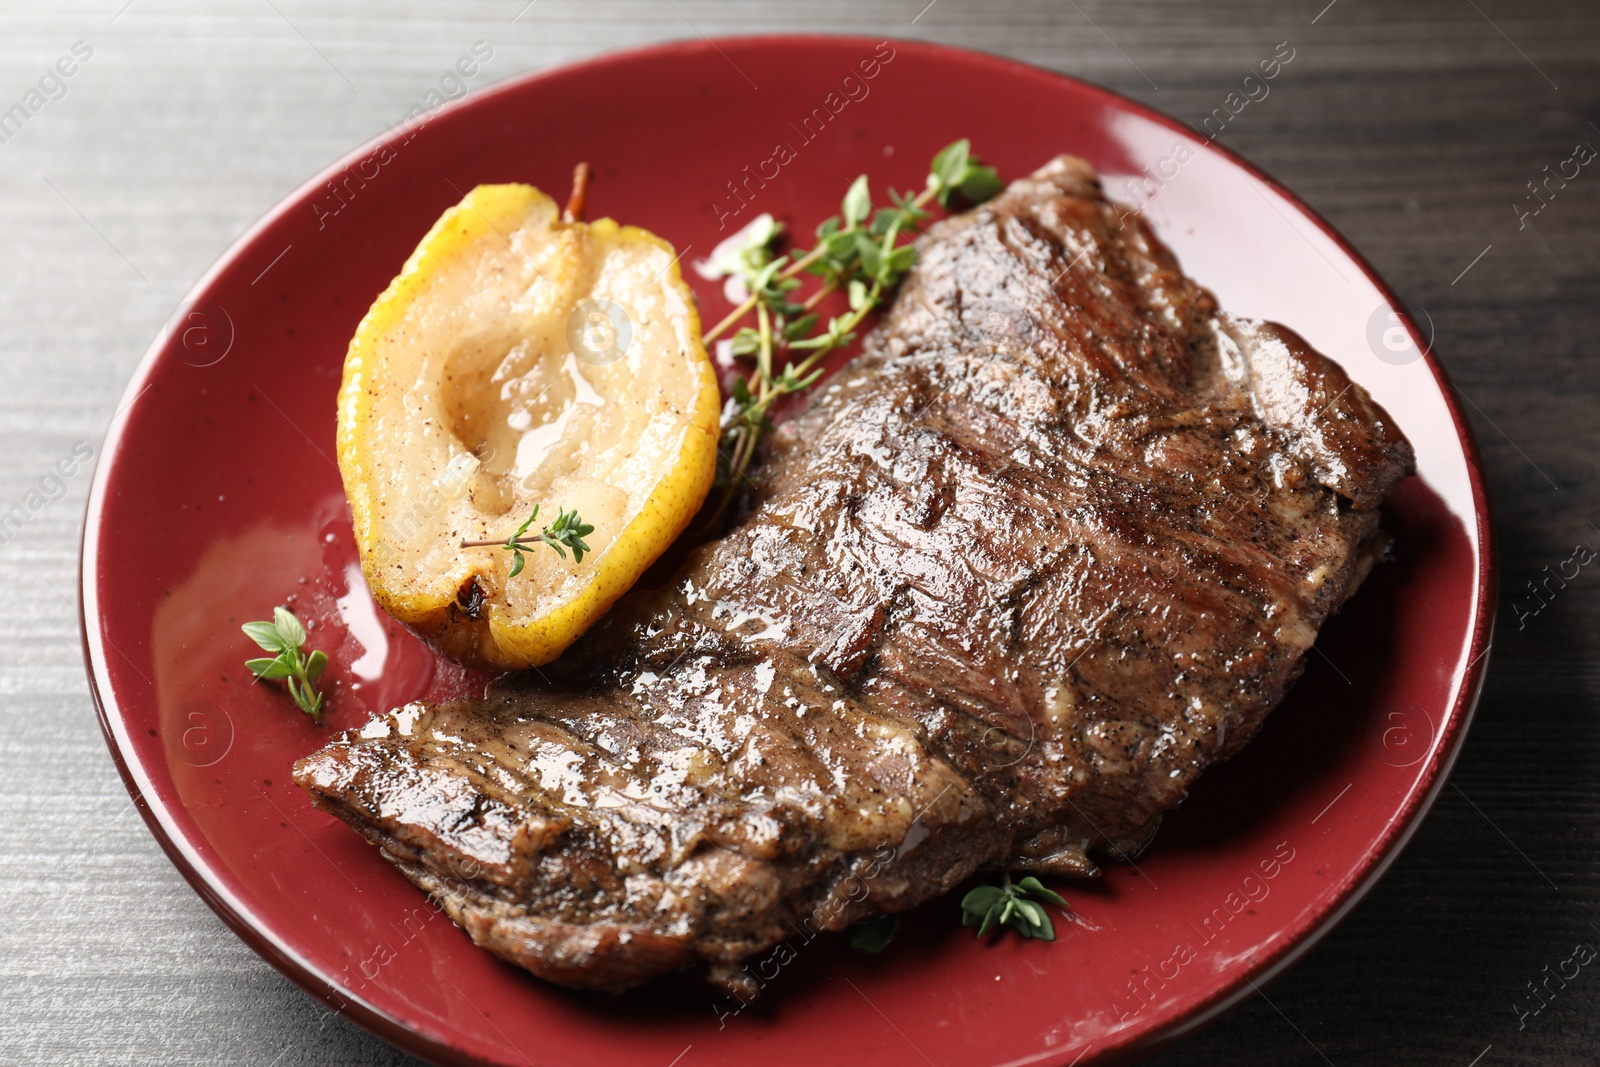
x=1053, y=544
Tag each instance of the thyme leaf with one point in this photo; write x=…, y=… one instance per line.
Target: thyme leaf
x=874, y=935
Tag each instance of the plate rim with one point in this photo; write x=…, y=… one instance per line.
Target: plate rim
x=417, y=1039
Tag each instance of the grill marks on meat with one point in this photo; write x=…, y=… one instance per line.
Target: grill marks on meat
x=1054, y=543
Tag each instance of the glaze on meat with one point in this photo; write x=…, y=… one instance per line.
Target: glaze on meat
x=1057, y=541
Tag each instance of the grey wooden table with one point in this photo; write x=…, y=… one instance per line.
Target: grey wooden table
x=1414, y=127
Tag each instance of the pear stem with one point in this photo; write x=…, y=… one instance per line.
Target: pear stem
x=576, y=202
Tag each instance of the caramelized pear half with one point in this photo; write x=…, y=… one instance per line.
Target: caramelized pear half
x=518, y=360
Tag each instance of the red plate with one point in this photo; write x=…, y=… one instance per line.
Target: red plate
x=218, y=498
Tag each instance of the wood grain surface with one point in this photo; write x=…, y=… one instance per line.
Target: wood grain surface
x=1413, y=127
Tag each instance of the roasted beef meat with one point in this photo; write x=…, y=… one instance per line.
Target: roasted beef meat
x=1054, y=543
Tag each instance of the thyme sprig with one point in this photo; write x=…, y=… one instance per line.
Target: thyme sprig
x=859, y=252
x=1007, y=904
x=568, y=531
x=285, y=637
